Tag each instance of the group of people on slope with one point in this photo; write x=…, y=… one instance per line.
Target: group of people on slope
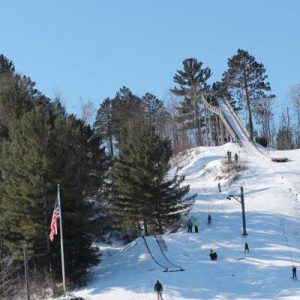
x=213, y=256
x=229, y=157
x=195, y=222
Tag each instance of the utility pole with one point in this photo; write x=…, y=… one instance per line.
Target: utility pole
x=243, y=212
x=242, y=202
x=26, y=273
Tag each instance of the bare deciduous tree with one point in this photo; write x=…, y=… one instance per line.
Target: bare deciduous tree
x=8, y=276
x=87, y=112
x=295, y=98
x=176, y=127
x=264, y=116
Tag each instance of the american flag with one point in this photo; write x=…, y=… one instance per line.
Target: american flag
x=54, y=221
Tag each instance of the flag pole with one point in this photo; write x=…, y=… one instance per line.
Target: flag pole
x=61, y=242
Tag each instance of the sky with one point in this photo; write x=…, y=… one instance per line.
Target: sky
x=87, y=50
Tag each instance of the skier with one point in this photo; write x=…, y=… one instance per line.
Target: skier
x=190, y=226
x=209, y=219
x=196, y=224
x=294, y=270
x=158, y=288
x=246, y=247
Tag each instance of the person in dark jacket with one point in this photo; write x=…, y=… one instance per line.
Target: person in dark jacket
x=246, y=247
x=209, y=219
x=213, y=255
x=158, y=288
x=190, y=226
x=294, y=270
x=236, y=158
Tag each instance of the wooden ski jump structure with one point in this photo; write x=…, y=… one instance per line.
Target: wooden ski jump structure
x=227, y=124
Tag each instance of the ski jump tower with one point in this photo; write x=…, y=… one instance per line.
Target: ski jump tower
x=227, y=124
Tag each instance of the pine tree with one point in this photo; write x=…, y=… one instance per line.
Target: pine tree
x=80, y=165
x=154, y=113
x=246, y=81
x=192, y=82
x=7, y=71
x=116, y=113
x=46, y=148
x=145, y=195
x=25, y=184
x=127, y=109
x=104, y=124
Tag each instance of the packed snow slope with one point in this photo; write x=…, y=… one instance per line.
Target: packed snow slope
x=273, y=225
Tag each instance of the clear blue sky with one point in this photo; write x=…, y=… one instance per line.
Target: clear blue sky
x=88, y=49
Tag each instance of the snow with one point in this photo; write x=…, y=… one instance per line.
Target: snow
x=272, y=216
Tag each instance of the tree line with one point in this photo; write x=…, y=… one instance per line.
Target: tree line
x=114, y=175
x=108, y=184
x=184, y=117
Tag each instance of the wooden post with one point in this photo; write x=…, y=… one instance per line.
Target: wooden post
x=26, y=273
x=218, y=131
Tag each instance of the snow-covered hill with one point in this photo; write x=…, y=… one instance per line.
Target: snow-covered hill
x=273, y=226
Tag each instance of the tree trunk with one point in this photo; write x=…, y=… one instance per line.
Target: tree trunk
x=146, y=228
x=249, y=112
x=111, y=146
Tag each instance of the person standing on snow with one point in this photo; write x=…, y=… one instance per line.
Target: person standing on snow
x=236, y=158
x=294, y=270
x=158, y=288
x=190, y=226
x=209, y=219
x=246, y=247
x=196, y=224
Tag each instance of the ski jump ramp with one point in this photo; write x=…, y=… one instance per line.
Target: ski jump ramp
x=233, y=125
x=229, y=118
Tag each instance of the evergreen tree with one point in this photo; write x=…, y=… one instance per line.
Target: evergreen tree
x=127, y=109
x=7, y=71
x=116, y=113
x=47, y=147
x=80, y=164
x=25, y=161
x=145, y=194
x=154, y=113
x=104, y=126
x=246, y=81
x=192, y=82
